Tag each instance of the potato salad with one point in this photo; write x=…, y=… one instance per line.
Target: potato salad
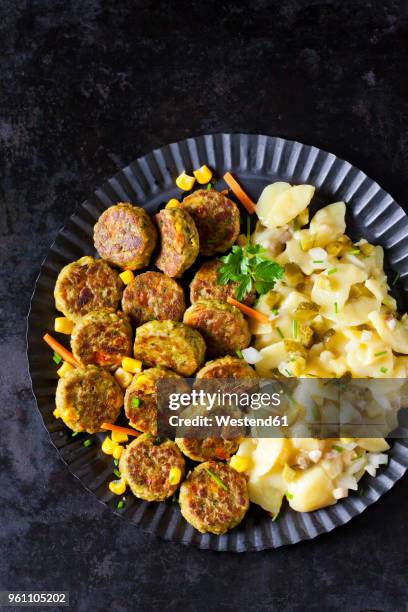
x=330, y=315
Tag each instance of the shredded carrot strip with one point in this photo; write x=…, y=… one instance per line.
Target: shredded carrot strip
x=61, y=350
x=240, y=193
x=250, y=312
x=125, y=430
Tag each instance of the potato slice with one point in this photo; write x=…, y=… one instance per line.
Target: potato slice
x=268, y=491
x=373, y=445
x=312, y=490
x=269, y=453
x=279, y=203
x=396, y=338
x=328, y=223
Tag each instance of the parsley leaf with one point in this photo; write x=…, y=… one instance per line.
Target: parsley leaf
x=249, y=266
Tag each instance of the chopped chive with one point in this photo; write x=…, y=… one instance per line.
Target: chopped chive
x=336, y=310
x=116, y=462
x=239, y=354
x=276, y=517
x=295, y=328
x=209, y=186
x=75, y=433
x=380, y=353
x=275, y=311
x=332, y=271
x=355, y=252
x=357, y=458
x=384, y=370
x=337, y=448
x=288, y=495
x=296, y=225
x=318, y=261
x=288, y=372
x=87, y=442
x=315, y=413
x=117, y=473
x=157, y=441
x=56, y=358
x=312, y=375
x=396, y=277
x=216, y=479
x=135, y=402
x=120, y=504
x=278, y=329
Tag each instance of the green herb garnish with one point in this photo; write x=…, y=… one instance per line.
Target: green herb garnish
x=116, y=462
x=339, y=449
x=288, y=495
x=276, y=517
x=56, y=358
x=239, y=353
x=396, y=277
x=117, y=473
x=157, y=441
x=317, y=261
x=75, y=433
x=135, y=402
x=288, y=372
x=217, y=480
x=384, y=370
x=336, y=309
x=249, y=266
x=380, y=353
x=355, y=252
x=209, y=186
x=278, y=329
x=275, y=311
x=295, y=328
x=332, y=271
x=87, y=442
x=120, y=504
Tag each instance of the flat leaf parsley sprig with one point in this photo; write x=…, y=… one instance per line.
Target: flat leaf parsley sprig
x=249, y=266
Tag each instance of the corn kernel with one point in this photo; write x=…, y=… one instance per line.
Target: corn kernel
x=124, y=378
x=239, y=464
x=127, y=276
x=117, y=452
x=118, y=436
x=108, y=446
x=133, y=366
x=288, y=474
x=56, y=413
x=203, y=175
x=66, y=367
x=118, y=487
x=185, y=182
x=173, y=203
x=63, y=325
x=174, y=475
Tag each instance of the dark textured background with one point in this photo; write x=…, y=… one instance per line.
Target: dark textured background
x=87, y=86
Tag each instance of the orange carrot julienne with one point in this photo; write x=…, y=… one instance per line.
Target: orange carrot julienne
x=250, y=312
x=125, y=430
x=61, y=350
x=239, y=193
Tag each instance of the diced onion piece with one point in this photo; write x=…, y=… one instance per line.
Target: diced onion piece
x=251, y=355
x=370, y=469
x=317, y=253
x=340, y=493
x=315, y=455
x=366, y=335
